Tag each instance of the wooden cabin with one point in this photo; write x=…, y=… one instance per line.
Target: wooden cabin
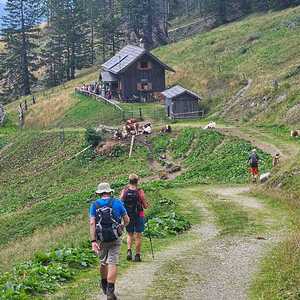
x=181, y=103
x=134, y=74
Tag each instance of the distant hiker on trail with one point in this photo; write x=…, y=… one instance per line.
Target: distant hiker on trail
x=135, y=203
x=254, y=162
x=106, y=216
x=276, y=160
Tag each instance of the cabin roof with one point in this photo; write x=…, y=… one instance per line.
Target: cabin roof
x=108, y=77
x=128, y=56
x=178, y=90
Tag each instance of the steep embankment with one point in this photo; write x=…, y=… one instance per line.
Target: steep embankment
x=263, y=49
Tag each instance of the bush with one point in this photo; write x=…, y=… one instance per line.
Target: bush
x=92, y=137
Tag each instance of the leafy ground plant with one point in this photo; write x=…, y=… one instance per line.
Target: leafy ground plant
x=164, y=218
x=45, y=272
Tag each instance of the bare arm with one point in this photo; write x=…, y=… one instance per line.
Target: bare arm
x=126, y=220
x=95, y=247
x=122, y=195
x=143, y=199
x=93, y=229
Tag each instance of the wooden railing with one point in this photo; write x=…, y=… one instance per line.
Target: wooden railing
x=99, y=98
x=194, y=114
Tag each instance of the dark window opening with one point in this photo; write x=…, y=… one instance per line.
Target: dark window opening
x=144, y=65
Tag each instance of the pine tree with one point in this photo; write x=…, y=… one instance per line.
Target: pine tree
x=68, y=45
x=20, y=32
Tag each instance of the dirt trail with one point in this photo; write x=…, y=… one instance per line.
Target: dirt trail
x=218, y=267
x=133, y=285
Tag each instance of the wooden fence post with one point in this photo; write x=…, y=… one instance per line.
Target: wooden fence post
x=131, y=145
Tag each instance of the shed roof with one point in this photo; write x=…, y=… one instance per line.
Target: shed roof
x=178, y=90
x=126, y=57
x=108, y=77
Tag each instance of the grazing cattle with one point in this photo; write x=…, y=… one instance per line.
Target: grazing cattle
x=211, y=125
x=295, y=133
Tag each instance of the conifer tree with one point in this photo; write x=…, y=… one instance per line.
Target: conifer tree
x=68, y=47
x=20, y=32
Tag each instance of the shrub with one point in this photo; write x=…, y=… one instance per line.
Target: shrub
x=92, y=137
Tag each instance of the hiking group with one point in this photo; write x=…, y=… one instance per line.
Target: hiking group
x=109, y=217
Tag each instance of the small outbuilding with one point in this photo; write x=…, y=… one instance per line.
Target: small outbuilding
x=181, y=103
x=134, y=74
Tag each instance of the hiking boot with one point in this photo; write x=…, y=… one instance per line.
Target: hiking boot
x=103, y=285
x=111, y=296
x=129, y=255
x=137, y=258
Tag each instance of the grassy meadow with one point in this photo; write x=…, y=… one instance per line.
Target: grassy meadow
x=263, y=48
x=45, y=194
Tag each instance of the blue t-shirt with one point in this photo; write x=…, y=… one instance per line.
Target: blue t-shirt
x=118, y=208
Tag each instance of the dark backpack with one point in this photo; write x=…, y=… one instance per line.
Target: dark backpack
x=254, y=160
x=106, y=225
x=132, y=203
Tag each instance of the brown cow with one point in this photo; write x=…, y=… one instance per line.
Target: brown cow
x=295, y=133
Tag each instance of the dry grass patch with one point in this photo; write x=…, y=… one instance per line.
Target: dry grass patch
x=53, y=103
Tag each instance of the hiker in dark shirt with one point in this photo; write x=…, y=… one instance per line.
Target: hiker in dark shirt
x=106, y=216
x=254, y=162
x=135, y=204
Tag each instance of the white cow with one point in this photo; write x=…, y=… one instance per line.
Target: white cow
x=211, y=125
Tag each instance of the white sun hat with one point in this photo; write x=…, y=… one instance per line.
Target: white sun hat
x=103, y=188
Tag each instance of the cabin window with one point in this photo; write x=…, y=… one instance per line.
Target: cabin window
x=144, y=65
x=144, y=86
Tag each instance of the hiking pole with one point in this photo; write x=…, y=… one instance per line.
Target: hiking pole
x=150, y=239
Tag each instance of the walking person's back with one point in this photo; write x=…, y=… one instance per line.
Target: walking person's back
x=253, y=161
x=135, y=204
x=106, y=217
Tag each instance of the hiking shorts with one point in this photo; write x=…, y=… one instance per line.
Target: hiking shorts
x=254, y=171
x=110, y=253
x=136, y=226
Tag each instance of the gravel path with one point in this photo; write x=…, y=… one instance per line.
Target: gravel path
x=218, y=268
x=134, y=283
x=236, y=194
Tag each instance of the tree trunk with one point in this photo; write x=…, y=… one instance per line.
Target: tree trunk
x=24, y=60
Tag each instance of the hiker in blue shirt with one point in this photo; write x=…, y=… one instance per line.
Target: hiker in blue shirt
x=108, y=217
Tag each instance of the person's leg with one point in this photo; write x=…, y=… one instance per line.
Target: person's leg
x=103, y=268
x=111, y=280
x=112, y=273
x=104, y=271
x=113, y=259
x=138, y=243
x=139, y=229
x=130, y=238
x=104, y=274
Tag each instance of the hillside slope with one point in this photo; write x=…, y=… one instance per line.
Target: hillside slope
x=261, y=50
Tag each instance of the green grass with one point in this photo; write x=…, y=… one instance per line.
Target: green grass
x=232, y=219
x=210, y=157
x=279, y=277
x=215, y=64
x=89, y=112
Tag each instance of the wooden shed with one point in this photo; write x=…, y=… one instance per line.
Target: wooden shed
x=134, y=74
x=181, y=103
